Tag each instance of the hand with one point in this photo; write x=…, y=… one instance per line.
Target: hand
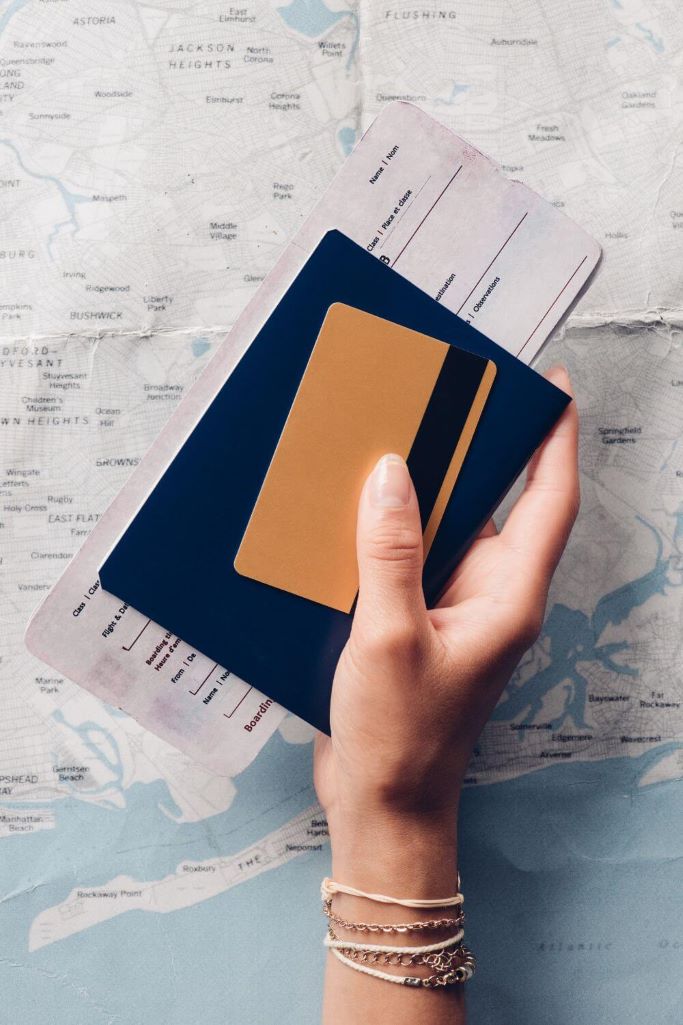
x=414, y=687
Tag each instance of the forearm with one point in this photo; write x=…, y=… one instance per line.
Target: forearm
x=404, y=858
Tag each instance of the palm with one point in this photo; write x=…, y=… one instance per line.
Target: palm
x=481, y=572
x=488, y=586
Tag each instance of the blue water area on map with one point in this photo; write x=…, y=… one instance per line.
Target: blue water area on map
x=9, y=12
x=347, y=139
x=313, y=18
x=310, y=17
x=103, y=747
x=575, y=854
x=574, y=640
x=70, y=199
x=456, y=90
x=648, y=34
x=200, y=346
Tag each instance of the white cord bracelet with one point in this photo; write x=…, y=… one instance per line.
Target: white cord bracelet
x=334, y=943
x=460, y=975
x=329, y=887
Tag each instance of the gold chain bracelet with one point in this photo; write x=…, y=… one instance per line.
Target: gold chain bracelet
x=374, y=927
x=449, y=967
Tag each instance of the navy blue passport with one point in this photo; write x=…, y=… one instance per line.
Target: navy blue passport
x=175, y=561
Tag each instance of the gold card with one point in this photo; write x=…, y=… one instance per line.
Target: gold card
x=370, y=387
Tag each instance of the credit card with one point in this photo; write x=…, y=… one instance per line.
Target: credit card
x=370, y=387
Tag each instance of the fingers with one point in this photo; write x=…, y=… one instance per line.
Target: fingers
x=389, y=545
x=541, y=520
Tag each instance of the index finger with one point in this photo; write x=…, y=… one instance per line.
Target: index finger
x=542, y=518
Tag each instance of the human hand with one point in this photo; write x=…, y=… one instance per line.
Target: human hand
x=414, y=687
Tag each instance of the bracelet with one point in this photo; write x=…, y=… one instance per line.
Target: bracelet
x=460, y=974
x=334, y=943
x=431, y=924
x=444, y=962
x=450, y=961
x=329, y=887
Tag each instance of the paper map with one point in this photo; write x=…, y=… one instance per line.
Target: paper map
x=155, y=161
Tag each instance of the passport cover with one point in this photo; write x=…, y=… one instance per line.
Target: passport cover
x=174, y=562
x=370, y=387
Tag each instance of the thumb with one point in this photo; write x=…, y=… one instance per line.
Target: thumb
x=389, y=546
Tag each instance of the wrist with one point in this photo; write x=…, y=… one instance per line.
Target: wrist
x=397, y=854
